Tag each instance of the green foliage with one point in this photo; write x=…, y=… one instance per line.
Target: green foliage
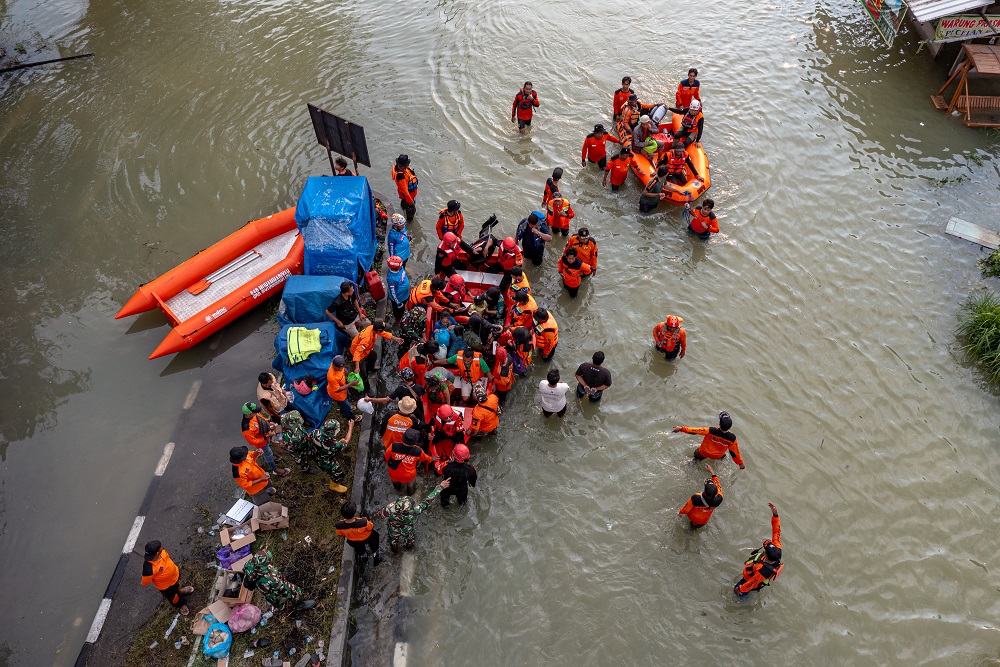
x=990, y=265
x=979, y=328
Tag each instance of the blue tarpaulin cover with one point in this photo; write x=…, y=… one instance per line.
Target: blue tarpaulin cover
x=336, y=215
x=306, y=298
x=315, y=405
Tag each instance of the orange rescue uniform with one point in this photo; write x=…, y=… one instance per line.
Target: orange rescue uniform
x=757, y=573
x=402, y=460
x=716, y=443
x=364, y=343
x=558, y=217
x=619, y=166
x=585, y=250
x=406, y=183
x=699, y=508
x=523, y=106
x=250, y=476
x=704, y=224
x=254, y=433
x=619, y=100
x=336, y=383
x=484, y=415
x=355, y=530
x=572, y=273
x=395, y=427
x=164, y=574
x=595, y=149
x=546, y=335
x=687, y=92
x=668, y=340
x=450, y=222
x=521, y=314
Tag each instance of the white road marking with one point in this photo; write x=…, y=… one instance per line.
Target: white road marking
x=161, y=467
x=133, y=534
x=99, y=618
x=192, y=394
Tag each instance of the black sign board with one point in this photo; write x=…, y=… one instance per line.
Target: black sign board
x=340, y=136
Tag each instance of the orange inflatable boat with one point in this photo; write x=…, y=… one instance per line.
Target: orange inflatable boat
x=644, y=167
x=222, y=282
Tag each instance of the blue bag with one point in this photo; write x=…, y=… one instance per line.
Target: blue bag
x=222, y=650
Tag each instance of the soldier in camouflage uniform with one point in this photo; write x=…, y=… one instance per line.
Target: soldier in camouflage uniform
x=401, y=515
x=258, y=573
x=413, y=325
x=321, y=445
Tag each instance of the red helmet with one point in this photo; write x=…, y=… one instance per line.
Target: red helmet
x=460, y=452
x=456, y=281
x=449, y=239
x=673, y=321
x=444, y=413
x=395, y=262
x=509, y=244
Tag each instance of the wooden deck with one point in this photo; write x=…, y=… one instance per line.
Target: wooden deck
x=977, y=110
x=971, y=232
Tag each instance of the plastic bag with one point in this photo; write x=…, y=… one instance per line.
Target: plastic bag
x=227, y=556
x=244, y=617
x=220, y=650
x=354, y=377
x=365, y=407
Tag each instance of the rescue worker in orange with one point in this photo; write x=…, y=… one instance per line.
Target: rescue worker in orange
x=399, y=422
x=518, y=283
x=402, y=459
x=247, y=472
x=688, y=89
x=764, y=564
x=161, y=571
x=406, y=186
x=703, y=221
x=416, y=360
x=337, y=386
x=359, y=531
x=692, y=123
x=618, y=168
x=446, y=262
x=503, y=373
x=522, y=310
x=700, y=506
x=630, y=115
x=595, y=147
x=257, y=431
x=571, y=268
x=363, y=344
x=552, y=185
x=451, y=219
x=471, y=370
x=510, y=255
x=677, y=163
x=447, y=430
x=586, y=247
x=717, y=441
x=558, y=213
x=620, y=97
x=546, y=333
x=524, y=107
x=486, y=414
x=670, y=337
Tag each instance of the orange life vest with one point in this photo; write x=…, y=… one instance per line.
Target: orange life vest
x=471, y=373
x=703, y=224
x=571, y=274
x=508, y=260
x=690, y=123
x=420, y=294
x=521, y=315
x=666, y=339
x=354, y=530
x=406, y=181
x=546, y=334
x=485, y=416
x=676, y=163
x=586, y=252
x=450, y=222
x=503, y=376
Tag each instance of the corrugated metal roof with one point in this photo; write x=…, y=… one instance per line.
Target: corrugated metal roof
x=929, y=10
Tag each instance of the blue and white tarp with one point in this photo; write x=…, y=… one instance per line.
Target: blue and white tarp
x=315, y=405
x=336, y=216
x=306, y=298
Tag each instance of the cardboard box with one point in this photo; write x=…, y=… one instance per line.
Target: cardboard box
x=239, y=512
x=226, y=533
x=244, y=596
x=219, y=609
x=273, y=524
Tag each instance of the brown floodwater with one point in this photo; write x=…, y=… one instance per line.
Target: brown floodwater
x=821, y=318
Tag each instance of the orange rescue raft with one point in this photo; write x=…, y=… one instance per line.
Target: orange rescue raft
x=644, y=168
x=222, y=282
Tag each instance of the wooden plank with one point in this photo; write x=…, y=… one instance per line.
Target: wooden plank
x=985, y=57
x=970, y=232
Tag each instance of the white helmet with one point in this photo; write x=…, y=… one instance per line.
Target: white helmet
x=696, y=105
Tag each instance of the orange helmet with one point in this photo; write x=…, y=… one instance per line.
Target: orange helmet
x=461, y=453
x=395, y=263
x=449, y=239
x=456, y=281
x=509, y=244
x=673, y=321
x=444, y=413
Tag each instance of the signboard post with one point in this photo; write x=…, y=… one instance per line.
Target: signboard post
x=888, y=17
x=339, y=135
x=961, y=28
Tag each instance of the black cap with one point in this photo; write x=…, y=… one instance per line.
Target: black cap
x=411, y=436
x=238, y=454
x=725, y=421
x=633, y=97
x=403, y=160
x=453, y=206
x=152, y=548
x=773, y=552
x=599, y=128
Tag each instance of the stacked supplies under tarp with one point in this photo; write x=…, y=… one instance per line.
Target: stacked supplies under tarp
x=336, y=216
x=306, y=298
x=312, y=348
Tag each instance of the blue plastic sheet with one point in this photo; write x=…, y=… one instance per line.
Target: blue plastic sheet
x=306, y=298
x=316, y=404
x=336, y=215
x=222, y=650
